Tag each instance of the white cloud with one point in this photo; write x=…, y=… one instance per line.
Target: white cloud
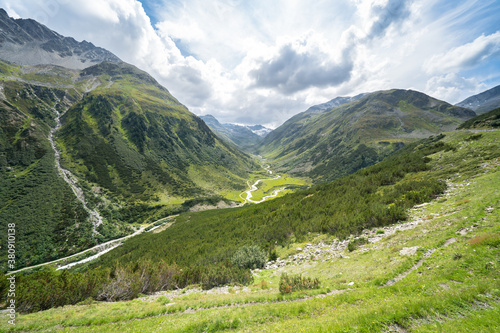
x=452, y=87
x=465, y=56
x=261, y=61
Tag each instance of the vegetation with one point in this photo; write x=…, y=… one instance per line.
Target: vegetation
x=487, y=120
x=293, y=283
x=136, y=152
x=441, y=294
x=202, y=244
x=249, y=257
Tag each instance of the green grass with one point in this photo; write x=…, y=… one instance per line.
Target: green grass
x=446, y=293
x=268, y=186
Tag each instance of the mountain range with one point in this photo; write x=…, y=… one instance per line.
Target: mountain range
x=26, y=42
x=325, y=144
x=90, y=144
x=398, y=233
x=245, y=137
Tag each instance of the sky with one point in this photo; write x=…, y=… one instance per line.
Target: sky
x=263, y=61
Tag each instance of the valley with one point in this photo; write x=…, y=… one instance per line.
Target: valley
x=124, y=209
x=267, y=188
x=436, y=271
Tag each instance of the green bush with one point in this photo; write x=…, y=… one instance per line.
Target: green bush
x=291, y=283
x=273, y=256
x=355, y=243
x=249, y=257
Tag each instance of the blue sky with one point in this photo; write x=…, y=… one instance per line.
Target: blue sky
x=263, y=61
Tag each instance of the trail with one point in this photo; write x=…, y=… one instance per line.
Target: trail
x=254, y=188
x=69, y=178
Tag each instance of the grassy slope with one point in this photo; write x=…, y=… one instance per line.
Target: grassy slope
x=334, y=143
x=456, y=288
x=487, y=120
x=131, y=137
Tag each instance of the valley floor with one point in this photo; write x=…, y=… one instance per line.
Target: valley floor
x=437, y=272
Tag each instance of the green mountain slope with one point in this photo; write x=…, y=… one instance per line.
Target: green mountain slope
x=330, y=144
x=133, y=149
x=198, y=247
x=489, y=119
x=133, y=139
x=48, y=218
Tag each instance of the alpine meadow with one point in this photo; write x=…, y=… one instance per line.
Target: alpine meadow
x=326, y=167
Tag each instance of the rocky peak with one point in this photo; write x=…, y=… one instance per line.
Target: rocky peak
x=27, y=42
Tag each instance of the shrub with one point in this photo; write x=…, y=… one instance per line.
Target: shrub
x=249, y=257
x=291, y=283
x=484, y=239
x=353, y=245
x=273, y=255
x=163, y=300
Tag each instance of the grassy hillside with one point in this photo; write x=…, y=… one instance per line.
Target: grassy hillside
x=438, y=271
x=487, y=120
x=49, y=219
x=136, y=152
x=133, y=139
x=330, y=144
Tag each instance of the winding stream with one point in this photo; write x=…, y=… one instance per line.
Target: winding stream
x=254, y=188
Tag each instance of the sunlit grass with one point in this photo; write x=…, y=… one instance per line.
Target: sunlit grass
x=456, y=289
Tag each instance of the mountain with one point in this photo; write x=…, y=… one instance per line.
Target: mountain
x=260, y=130
x=483, y=102
x=330, y=144
x=83, y=153
x=27, y=42
x=337, y=101
x=244, y=137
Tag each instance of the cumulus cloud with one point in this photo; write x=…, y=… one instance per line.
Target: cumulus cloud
x=291, y=70
x=262, y=62
x=299, y=65
x=452, y=87
x=383, y=16
x=465, y=56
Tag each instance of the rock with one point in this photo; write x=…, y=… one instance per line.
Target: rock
x=350, y=283
x=299, y=249
x=408, y=251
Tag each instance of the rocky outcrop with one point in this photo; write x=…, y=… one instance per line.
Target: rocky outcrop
x=27, y=42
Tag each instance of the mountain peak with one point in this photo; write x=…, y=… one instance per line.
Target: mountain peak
x=27, y=42
x=481, y=103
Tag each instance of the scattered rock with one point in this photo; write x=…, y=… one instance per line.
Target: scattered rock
x=408, y=251
x=449, y=241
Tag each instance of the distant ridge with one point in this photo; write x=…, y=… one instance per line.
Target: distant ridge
x=27, y=42
x=481, y=103
x=242, y=136
x=337, y=101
